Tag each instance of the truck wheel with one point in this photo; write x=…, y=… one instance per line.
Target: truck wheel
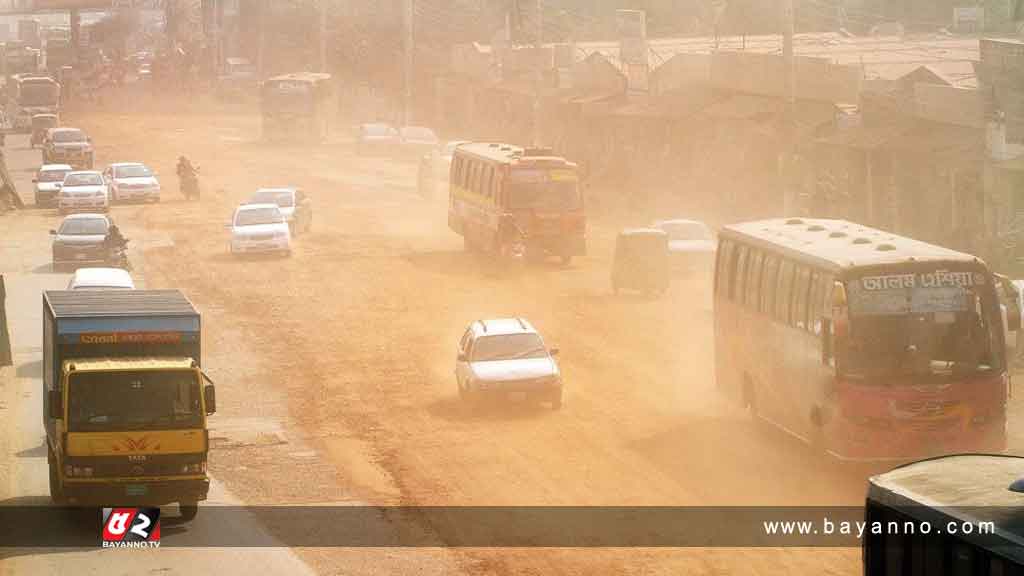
x=188, y=510
x=56, y=490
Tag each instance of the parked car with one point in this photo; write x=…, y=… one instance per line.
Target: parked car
x=415, y=141
x=435, y=169
x=507, y=358
x=376, y=139
x=131, y=181
x=691, y=244
x=68, y=146
x=83, y=190
x=80, y=239
x=259, y=228
x=101, y=279
x=48, y=182
x=294, y=205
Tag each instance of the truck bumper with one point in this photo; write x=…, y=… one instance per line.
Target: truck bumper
x=152, y=493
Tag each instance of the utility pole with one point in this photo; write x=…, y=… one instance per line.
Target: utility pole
x=539, y=73
x=262, y=40
x=789, y=107
x=407, y=66
x=323, y=35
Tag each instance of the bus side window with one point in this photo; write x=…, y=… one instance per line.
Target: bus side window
x=474, y=177
x=768, y=280
x=460, y=173
x=488, y=190
x=784, y=292
x=799, y=315
x=725, y=263
x=496, y=188
x=754, y=261
x=736, y=291
x=814, y=303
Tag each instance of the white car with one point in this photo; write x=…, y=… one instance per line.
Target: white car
x=507, y=358
x=101, y=279
x=294, y=205
x=690, y=243
x=132, y=181
x=414, y=141
x=259, y=228
x=435, y=168
x=84, y=190
x=48, y=181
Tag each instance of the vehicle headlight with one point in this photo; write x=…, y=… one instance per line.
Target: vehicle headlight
x=77, y=471
x=194, y=468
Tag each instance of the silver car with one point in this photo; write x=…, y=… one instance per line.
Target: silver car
x=507, y=358
x=48, y=182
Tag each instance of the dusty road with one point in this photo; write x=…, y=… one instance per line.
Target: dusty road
x=335, y=366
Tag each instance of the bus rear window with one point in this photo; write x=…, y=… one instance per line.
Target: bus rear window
x=543, y=189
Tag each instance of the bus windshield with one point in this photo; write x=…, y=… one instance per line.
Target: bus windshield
x=920, y=326
x=542, y=189
x=133, y=400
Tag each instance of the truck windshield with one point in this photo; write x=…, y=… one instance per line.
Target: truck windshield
x=919, y=327
x=536, y=189
x=133, y=400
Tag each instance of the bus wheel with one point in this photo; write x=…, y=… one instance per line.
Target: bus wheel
x=188, y=510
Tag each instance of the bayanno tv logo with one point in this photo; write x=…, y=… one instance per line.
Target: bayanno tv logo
x=131, y=527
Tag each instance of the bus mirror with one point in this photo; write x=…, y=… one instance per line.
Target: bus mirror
x=56, y=410
x=210, y=399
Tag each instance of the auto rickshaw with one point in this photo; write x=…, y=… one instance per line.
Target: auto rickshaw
x=40, y=124
x=641, y=261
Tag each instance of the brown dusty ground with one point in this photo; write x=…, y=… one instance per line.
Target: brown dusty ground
x=335, y=366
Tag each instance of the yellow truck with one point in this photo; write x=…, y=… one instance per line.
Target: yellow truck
x=125, y=402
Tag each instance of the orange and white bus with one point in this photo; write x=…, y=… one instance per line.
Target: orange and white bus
x=498, y=191
x=863, y=343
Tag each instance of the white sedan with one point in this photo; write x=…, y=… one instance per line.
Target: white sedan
x=84, y=190
x=132, y=181
x=259, y=228
x=691, y=244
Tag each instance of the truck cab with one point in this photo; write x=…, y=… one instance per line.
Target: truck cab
x=126, y=402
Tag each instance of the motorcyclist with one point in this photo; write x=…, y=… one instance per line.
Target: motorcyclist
x=115, y=240
x=185, y=168
x=188, y=176
x=116, y=244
